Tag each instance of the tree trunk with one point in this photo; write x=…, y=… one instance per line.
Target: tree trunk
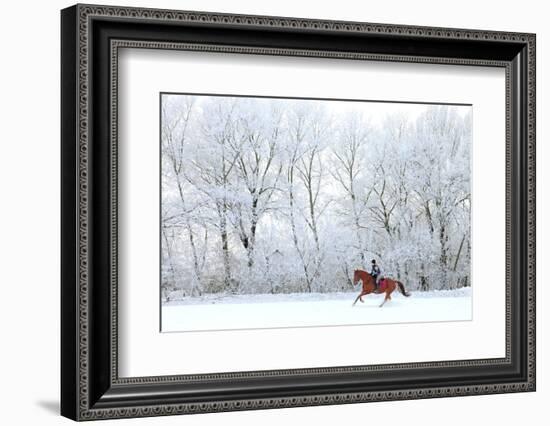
x=196, y=266
x=170, y=260
x=443, y=242
x=253, y=226
x=225, y=248
x=357, y=224
x=294, y=233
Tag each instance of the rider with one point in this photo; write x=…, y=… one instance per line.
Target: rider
x=376, y=273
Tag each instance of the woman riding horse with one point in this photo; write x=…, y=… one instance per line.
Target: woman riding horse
x=376, y=273
x=369, y=286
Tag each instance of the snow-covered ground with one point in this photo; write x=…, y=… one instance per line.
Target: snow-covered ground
x=310, y=310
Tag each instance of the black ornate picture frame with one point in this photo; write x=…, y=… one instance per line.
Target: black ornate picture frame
x=90, y=385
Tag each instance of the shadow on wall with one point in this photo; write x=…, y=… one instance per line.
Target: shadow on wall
x=50, y=406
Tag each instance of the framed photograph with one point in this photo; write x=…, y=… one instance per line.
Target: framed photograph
x=262, y=212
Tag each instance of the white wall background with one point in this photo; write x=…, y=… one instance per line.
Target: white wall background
x=29, y=211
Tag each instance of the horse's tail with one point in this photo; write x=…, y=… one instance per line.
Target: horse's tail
x=402, y=289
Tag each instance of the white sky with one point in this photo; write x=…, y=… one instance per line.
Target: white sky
x=376, y=111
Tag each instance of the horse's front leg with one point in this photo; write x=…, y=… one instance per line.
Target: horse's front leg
x=360, y=297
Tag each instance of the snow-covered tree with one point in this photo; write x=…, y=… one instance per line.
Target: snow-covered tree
x=267, y=195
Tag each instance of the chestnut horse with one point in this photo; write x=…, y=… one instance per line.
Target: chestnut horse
x=387, y=285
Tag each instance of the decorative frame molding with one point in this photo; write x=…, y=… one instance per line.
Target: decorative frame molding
x=91, y=37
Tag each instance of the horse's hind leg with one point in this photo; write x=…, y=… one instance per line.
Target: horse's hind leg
x=388, y=297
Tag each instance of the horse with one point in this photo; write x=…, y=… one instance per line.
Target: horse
x=386, y=285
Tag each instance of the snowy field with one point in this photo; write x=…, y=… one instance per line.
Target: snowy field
x=312, y=310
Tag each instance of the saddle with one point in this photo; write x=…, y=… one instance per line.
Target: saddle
x=382, y=284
